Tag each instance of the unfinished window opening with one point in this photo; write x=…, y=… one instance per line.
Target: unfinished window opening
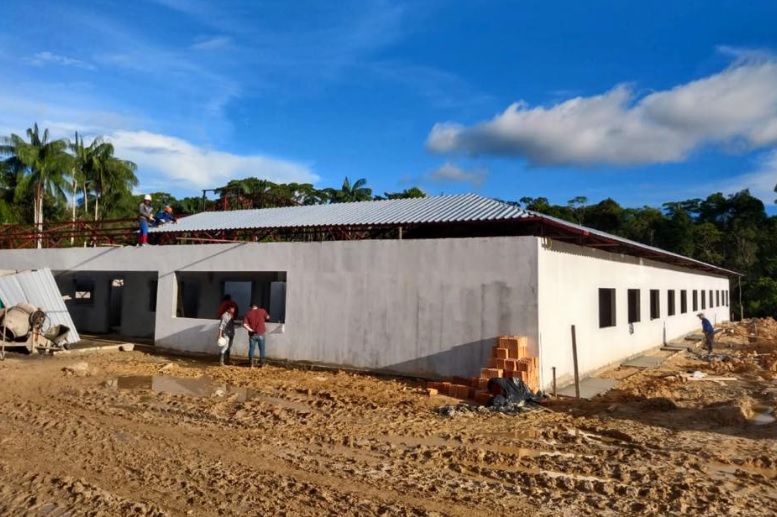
x=683, y=301
x=606, y=308
x=670, y=302
x=655, y=304
x=188, y=300
x=239, y=291
x=726, y=298
x=634, y=308
x=695, y=300
x=83, y=291
x=711, y=299
x=703, y=300
x=717, y=298
x=115, y=302
x=200, y=294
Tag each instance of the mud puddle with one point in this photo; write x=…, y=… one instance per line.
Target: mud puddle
x=201, y=387
x=763, y=415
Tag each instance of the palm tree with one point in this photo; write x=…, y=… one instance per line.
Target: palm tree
x=82, y=166
x=349, y=192
x=44, y=166
x=111, y=178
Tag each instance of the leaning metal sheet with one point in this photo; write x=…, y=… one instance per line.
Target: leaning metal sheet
x=40, y=289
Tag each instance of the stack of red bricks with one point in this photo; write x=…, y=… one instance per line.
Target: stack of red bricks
x=509, y=358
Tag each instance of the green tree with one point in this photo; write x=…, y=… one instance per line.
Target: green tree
x=350, y=192
x=577, y=206
x=606, y=215
x=641, y=224
x=10, y=212
x=111, y=178
x=44, y=165
x=408, y=193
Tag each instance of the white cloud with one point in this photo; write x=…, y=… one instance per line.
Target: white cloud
x=450, y=172
x=761, y=181
x=214, y=43
x=180, y=161
x=736, y=108
x=42, y=58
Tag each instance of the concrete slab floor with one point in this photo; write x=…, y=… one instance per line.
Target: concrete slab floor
x=645, y=361
x=589, y=388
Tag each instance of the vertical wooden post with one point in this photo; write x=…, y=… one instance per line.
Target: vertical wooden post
x=574, y=359
x=554, y=381
x=741, y=309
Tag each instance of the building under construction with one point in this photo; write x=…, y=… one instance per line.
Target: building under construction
x=419, y=287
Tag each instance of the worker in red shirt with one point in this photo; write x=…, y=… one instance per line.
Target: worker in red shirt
x=253, y=322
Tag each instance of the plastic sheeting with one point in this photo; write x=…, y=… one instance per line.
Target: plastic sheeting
x=39, y=288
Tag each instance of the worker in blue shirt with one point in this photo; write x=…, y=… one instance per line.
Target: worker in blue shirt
x=165, y=216
x=708, y=330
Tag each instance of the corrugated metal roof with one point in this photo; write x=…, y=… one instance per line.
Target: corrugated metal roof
x=39, y=289
x=632, y=244
x=439, y=209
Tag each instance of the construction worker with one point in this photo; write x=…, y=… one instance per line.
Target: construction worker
x=165, y=216
x=708, y=330
x=145, y=216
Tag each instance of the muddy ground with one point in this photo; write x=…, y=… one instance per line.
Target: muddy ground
x=103, y=434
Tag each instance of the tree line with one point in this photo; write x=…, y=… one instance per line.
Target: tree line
x=63, y=180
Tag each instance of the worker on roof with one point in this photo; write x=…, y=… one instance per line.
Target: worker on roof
x=165, y=216
x=145, y=216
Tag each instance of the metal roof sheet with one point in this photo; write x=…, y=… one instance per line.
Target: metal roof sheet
x=439, y=209
x=632, y=244
x=39, y=289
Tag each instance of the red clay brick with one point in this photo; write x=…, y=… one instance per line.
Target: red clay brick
x=482, y=397
x=482, y=384
x=500, y=353
x=431, y=392
x=490, y=372
x=445, y=388
x=459, y=391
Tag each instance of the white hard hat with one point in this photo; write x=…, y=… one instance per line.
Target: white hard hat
x=147, y=197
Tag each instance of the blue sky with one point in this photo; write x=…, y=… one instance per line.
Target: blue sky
x=644, y=102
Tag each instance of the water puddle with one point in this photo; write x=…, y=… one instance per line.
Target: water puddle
x=763, y=415
x=201, y=387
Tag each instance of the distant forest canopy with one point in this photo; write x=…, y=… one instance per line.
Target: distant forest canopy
x=63, y=180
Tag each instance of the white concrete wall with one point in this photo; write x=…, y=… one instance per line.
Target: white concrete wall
x=570, y=277
x=421, y=307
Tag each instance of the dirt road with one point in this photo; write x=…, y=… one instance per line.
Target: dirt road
x=113, y=434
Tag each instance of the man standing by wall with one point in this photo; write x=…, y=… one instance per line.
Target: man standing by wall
x=145, y=216
x=709, y=332
x=253, y=322
x=227, y=331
